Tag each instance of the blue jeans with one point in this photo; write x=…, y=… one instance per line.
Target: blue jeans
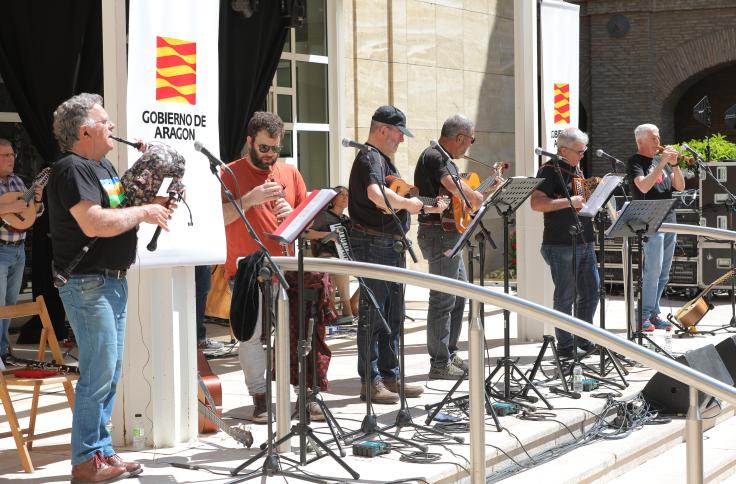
x=445, y=312
x=559, y=259
x=384, y=361
x=202, y=286
x=12, y=263
x=658, y=252
x=96, y=308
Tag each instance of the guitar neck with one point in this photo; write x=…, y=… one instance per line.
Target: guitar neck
x=486, y=183
x=717, y=282
x=429, y=201
x=242, y=436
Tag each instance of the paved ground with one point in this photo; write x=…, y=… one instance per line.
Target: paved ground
x=216, y=454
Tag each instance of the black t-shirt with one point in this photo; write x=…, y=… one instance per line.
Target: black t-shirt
x=557, y=224
x=369, y=168
x=72, y=180
x=430, y=169
x=640, y=165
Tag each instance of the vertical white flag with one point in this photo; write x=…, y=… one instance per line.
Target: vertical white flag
x=172, y=98
x=560, y=44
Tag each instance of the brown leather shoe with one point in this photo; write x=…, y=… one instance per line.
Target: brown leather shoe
x=97, y=469
x=132, y=467
x=260, y=410
x=410, y=390
x=379, y=393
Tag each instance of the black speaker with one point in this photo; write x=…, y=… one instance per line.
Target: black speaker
x=727, y=350
x=670, y=396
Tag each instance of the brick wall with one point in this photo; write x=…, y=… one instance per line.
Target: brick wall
x=671, y=46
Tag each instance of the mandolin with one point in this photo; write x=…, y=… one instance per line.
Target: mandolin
x=404, y=189
x=458, y=215
x=692, y=312
x=23, y=220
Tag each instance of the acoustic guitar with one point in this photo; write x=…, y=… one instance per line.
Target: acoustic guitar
x=404, y=189
x=458, y=214
x=691, y=313
x=209, y=401
x=23, y=220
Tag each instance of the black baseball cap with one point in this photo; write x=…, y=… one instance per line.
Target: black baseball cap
x=393, y=116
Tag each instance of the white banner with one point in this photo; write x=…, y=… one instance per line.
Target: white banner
x=172, y=98
x=560, y=43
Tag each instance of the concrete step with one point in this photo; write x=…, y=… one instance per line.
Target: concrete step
x=654, y=453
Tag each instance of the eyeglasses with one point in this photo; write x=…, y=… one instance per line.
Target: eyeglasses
x=579, y=152
x=472, y=138
x=266, y=148
x=106, y=122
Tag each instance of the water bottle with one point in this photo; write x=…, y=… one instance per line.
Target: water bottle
x=139, y=434
x=668, y=340
x=577, y=379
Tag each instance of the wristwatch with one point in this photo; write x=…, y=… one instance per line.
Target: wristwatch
x=421, y=211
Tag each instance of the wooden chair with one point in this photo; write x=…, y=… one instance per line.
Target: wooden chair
x=8, y=379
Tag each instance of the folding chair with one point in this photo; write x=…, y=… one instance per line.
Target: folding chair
x=8, y=379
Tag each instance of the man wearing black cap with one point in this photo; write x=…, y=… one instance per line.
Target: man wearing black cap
x=376, y=238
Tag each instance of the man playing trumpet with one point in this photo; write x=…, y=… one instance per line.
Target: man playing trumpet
x=654, y=174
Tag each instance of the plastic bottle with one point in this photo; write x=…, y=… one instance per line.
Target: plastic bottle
x=668, y=340
x=577, y=379
x=139, y=434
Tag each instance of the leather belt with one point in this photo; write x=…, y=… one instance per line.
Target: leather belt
x=16, y=242
x=114, y=273
x=375, y=233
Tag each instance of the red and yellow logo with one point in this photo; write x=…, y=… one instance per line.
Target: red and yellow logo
x=176, y=70
x=562, y=103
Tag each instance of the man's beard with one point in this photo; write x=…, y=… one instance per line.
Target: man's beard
x=256, y=159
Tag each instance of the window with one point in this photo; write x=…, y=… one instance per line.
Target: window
x=300, y=96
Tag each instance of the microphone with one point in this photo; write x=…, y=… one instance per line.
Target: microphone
x=692, y=152
x=602, y=154
x=348, y=143
x=198, y=146
x=434, y=144
x=554, y=156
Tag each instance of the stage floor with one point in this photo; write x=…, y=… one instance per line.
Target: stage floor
x=217, y=454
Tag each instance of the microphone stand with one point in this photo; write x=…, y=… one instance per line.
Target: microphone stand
x=574, y=230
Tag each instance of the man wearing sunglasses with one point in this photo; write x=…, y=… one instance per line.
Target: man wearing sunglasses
x=376, y=238
x=267, y=193
x=549, y=198
x=434, y=171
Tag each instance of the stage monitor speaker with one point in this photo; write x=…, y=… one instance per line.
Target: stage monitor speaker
x=727, y=350
x=730, y=117
x=670, y=396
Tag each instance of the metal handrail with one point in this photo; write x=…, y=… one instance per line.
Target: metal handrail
x=478, y=294
x=713, y=233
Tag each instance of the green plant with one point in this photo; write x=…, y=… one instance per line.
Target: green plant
x=720, y=148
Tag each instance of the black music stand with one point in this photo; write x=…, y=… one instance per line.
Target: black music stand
x=290, y=230
x=637, y=219
x=594, y=207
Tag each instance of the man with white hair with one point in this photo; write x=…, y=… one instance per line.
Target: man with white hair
x=549, y=198
x=654, y=176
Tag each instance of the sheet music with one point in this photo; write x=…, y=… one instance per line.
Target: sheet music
x=302, y=215
x=599, y=196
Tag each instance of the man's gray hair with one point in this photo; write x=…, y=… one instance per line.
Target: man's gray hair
x=70, y=115
x=455, y=125
x=571, y=135
x=643, y=130
x=5, y=142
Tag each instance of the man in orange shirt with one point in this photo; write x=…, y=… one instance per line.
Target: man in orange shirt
x=268, y=193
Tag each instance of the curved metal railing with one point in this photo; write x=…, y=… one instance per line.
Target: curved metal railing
x=477, y=294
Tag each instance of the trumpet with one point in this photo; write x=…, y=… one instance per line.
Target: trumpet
x=688, y=160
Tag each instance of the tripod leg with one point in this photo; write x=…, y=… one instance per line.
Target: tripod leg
x=538, y=362
x=530, y=384
x=438, y=406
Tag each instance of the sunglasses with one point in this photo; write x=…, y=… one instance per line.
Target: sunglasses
x=472, y=138
x=266, y=148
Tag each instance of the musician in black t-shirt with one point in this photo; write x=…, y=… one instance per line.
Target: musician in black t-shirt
x=549, y=198
x=434, y=171
x=654, y=176
x=83, y=193
x=375, y=238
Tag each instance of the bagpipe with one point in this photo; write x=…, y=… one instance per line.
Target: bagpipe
x=141, y=182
